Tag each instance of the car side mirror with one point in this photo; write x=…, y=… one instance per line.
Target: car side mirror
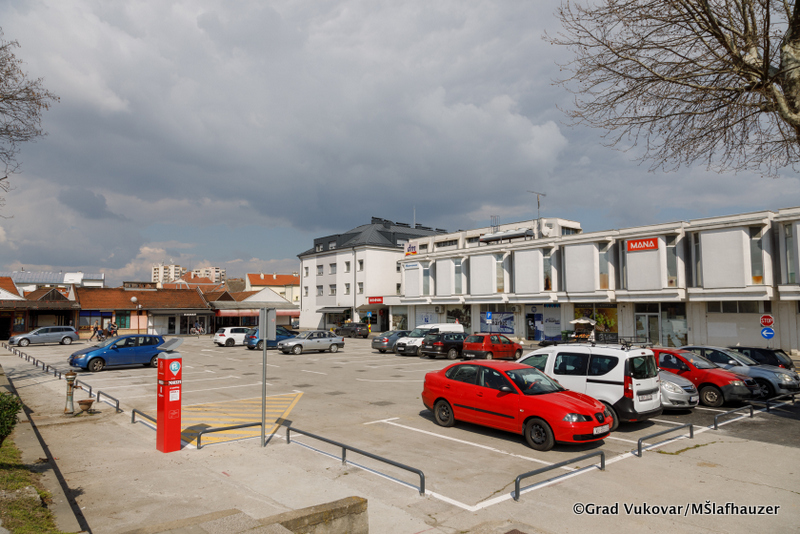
x=506, y=389
x=683, y=367
x=733, y=362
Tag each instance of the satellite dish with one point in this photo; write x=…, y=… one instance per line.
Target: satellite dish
x=170, y=344
x=547, y=232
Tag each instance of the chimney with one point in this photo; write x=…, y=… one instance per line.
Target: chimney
x=274, y=276
x=262, y=276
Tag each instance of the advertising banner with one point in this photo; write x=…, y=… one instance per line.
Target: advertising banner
x=497, y=322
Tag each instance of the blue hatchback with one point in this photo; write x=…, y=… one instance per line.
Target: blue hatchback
x=122, y=350
x=253, y=342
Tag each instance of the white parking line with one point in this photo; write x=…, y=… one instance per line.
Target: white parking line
x=150, y=384
x=315, y=372
x=666, y=422
x=415, y=380
x=708, y=409
x=207, y=389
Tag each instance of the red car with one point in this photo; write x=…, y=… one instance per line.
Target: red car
x=517, y=398
x=490, y=346
x=715, y=384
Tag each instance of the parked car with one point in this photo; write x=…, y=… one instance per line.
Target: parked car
x=677, y=392
x=413, y=341
x=489, y=346
x=516, y=398
x=253, y=342
x=353, y=330
x=624, y=379
x=46, y=334
x=123, y=350
x=775, y=357
x=771, y=380
x=319, y=340
x=230, y=336
x=386, y=340
x=714, y=384
x=447, y=344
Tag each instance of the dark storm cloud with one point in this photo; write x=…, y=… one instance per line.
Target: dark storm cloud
x=87, y=203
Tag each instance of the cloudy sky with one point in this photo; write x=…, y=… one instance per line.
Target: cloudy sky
x=231, y=133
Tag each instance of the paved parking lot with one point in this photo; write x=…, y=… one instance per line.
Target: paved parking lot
x=372, y=401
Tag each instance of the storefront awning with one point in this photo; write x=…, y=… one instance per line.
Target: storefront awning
x=333, y=310
x=255, y=312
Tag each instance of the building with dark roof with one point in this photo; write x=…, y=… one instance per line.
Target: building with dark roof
x=352, y=275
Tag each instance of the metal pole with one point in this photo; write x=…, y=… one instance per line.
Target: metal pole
x=263, y=391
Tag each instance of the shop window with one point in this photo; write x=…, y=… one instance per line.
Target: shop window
x=756, y=256
x=672, y=261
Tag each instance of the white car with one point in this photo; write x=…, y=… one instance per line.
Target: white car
x=230, y=336
x=412, y=343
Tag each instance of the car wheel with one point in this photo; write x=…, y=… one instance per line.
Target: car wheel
x=66, y=341
x=539, y=435
x=260, y=345
x=24, y=342
x=711, y=396
x=334, y=348
x=381, y=351
x=489, y=356
x=452, y=354
x=614, y=416
x=96, y=365
x=765, y=389
x=443, y=413
x=417, y=351
x=230, y=343
x=297, y=349
x=154, y=361
x=518, y=355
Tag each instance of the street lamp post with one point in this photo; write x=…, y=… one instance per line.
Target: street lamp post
x=135, y=301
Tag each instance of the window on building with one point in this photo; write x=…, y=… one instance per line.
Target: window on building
x=672, y=261
x=448, y=243
x=361, y=288
x=319, y=291
x=500, y=274
x=305, y=272
x=332, y=290
x=318, y=248
x=123, y=319
x=789, y=246
x=622, y=272
x=332, y=268
x=305, y=291
x=698, y=263
x=604, y=268
x=360, y=265
x=423, y=247
x=475, y=239
x=347, y=266
x=426, y=278
x=347, y=289
x=457, y=289
x=547, y=268
x=397, y=268
x=399, y=289
x=756, y=256
x=568, y=231
x=331, y=245
x=740, y=306
x=319, y=270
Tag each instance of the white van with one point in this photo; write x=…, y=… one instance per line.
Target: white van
x=623, y=378
x=411, y=343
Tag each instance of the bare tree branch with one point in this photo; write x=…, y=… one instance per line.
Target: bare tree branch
x=712, y=81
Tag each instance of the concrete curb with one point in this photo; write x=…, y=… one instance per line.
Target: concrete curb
x=34, y=455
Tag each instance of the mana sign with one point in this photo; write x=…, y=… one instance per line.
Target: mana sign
x=635, y=245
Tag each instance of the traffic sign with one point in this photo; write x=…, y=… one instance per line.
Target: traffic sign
x=369, y=314
x=767, y=320
x=767, y=333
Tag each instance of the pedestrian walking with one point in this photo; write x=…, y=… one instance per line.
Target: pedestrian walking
x=112, y=329
x=95, y=328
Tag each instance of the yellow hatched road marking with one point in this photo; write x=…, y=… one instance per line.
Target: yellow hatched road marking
x=202, y=416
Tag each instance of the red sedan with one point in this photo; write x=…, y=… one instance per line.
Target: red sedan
x=517, y=398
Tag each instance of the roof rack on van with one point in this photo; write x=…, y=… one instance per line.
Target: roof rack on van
x=628, y=342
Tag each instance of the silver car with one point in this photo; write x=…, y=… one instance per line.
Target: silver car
x=771, y=380
x=677, y=392
x=319, y=340
x=46, y=334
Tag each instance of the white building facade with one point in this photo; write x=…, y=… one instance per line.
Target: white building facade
x=161, y=273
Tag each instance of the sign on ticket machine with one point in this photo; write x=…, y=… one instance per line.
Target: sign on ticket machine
x=168, y=419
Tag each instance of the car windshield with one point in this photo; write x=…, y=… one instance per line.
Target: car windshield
x=419, y=332
x=532, y=381
x=698, y=361
x=108, y=342
x=738, y=356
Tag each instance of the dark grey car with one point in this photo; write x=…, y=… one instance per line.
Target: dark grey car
x=46, y=334
x=386, y=340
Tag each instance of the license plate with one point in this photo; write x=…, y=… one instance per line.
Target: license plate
x=601, y=429
x=468, y=355
x=645, y=397
x=694, y=399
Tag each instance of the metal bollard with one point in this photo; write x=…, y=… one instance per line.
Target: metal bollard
x=70, y=377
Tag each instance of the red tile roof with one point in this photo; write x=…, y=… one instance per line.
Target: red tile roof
x=241, y=295
x=273, y=279
x=8, y=284
x=103, y=298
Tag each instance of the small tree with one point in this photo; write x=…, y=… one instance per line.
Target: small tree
x=10, y=406
x=689, y=80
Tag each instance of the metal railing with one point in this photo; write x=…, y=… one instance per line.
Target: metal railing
x=78, y=382
x=773, y=399
x=529, y=474
x=667, y=431
x=222, y=429
x=716, y=417
x=133, y=416
x=116, y=400
x=346, y=448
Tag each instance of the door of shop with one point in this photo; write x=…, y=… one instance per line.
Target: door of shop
x=648, y=328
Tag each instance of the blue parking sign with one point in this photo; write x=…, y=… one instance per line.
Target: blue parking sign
x=369, y=314
x=488, y=316
x=767, y=333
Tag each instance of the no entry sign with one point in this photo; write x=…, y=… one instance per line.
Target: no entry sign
x=767, y=320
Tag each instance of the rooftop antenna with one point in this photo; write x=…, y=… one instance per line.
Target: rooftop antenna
x=495, y=223
x=538, y=209
x=414, y=220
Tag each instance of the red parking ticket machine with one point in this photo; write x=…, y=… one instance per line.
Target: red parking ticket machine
x=168, y=426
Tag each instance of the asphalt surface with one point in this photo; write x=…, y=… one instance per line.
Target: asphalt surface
x=371, y=401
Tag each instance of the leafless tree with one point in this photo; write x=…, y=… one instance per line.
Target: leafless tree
x=22, y=102
x=711, y=81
